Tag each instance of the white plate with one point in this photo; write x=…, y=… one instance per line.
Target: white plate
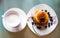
x=49, y=29
x=22, y=17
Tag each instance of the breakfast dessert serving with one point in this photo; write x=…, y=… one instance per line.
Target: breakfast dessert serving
x=42, y=19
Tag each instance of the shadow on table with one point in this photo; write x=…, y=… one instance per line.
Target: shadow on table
x=17, y=34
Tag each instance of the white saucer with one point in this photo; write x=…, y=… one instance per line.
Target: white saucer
x=19, y=24
x=33, y=27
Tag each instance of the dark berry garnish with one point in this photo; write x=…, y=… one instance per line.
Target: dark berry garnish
x=32, y=17
x=42, y=19
x=45, y=10
x=38, y=27
x=51, y=19
x=41, y=10
x=48, y=14
x=48, y=24
x=33, y=23
x=45, y=26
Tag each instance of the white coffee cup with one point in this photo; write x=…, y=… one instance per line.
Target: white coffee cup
x=13, y=19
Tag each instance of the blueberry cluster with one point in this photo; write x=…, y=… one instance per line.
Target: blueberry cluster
x=49, y=24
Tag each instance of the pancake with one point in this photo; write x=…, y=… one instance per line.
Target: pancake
x=41, y=18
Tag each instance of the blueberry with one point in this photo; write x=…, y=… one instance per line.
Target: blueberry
x=38, y=27
x=48, y=14
x=42, y=19
x=48, y=24
x=51, y=19
x=32, y=17
x=33, y=23
x=41, y=10
x=45, y=26
x=45, y=10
